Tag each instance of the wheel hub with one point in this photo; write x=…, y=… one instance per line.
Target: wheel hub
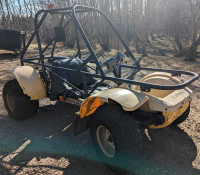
x=106, y=141
x=10, y=101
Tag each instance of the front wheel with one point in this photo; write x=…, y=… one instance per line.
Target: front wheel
x=118, y=140
x=18, y=105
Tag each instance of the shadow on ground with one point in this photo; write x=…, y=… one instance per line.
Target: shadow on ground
x=33, y=145
x=9, y=56
x=171, y=151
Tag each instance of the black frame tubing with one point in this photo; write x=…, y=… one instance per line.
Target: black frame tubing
x=71, y=12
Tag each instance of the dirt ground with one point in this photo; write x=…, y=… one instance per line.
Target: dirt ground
x=45, y=144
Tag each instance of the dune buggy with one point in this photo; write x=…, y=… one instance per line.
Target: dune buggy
x=117, y=116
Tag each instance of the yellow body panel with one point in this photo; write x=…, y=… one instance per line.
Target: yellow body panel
x=170, y=117
x=128, y=99
x=160, y=79
x=161, y=74
x=172, y=103
x=30, y=81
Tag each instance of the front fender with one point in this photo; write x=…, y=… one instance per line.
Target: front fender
x=30, y=81
x=130, y=100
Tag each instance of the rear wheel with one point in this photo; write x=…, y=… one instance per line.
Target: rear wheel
x=18, y=105
x=118, y=140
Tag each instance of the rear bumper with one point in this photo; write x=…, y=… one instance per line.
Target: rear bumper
x=170, y=117
x=171, y=102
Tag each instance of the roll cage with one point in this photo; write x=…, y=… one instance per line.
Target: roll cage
x=72, y=12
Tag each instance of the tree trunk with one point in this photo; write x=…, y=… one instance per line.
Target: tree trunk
x=178, y=43
x=144, y=51
x=192, y=51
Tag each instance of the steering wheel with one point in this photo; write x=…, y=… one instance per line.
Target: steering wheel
x=113, y=64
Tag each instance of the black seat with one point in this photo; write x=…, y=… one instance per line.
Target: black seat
x=75, y=78
x=50, y=60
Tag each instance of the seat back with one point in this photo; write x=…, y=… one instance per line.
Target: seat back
x=73, y=77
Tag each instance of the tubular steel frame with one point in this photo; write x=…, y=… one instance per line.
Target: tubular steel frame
x=71, y=12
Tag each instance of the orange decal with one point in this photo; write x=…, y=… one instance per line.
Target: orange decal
x=89, y=106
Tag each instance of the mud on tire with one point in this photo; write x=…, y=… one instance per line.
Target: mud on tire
x=18, y=105
x=129, y=140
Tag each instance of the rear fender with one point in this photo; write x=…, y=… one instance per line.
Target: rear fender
x=161, y=74
x=130, y=100
x=30, y=81
x=161, y=79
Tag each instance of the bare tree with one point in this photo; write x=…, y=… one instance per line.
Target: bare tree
x=194, y=6
x=138, y=21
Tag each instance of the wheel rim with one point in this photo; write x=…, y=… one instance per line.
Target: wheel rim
x=106, y=141
x=10, y=101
